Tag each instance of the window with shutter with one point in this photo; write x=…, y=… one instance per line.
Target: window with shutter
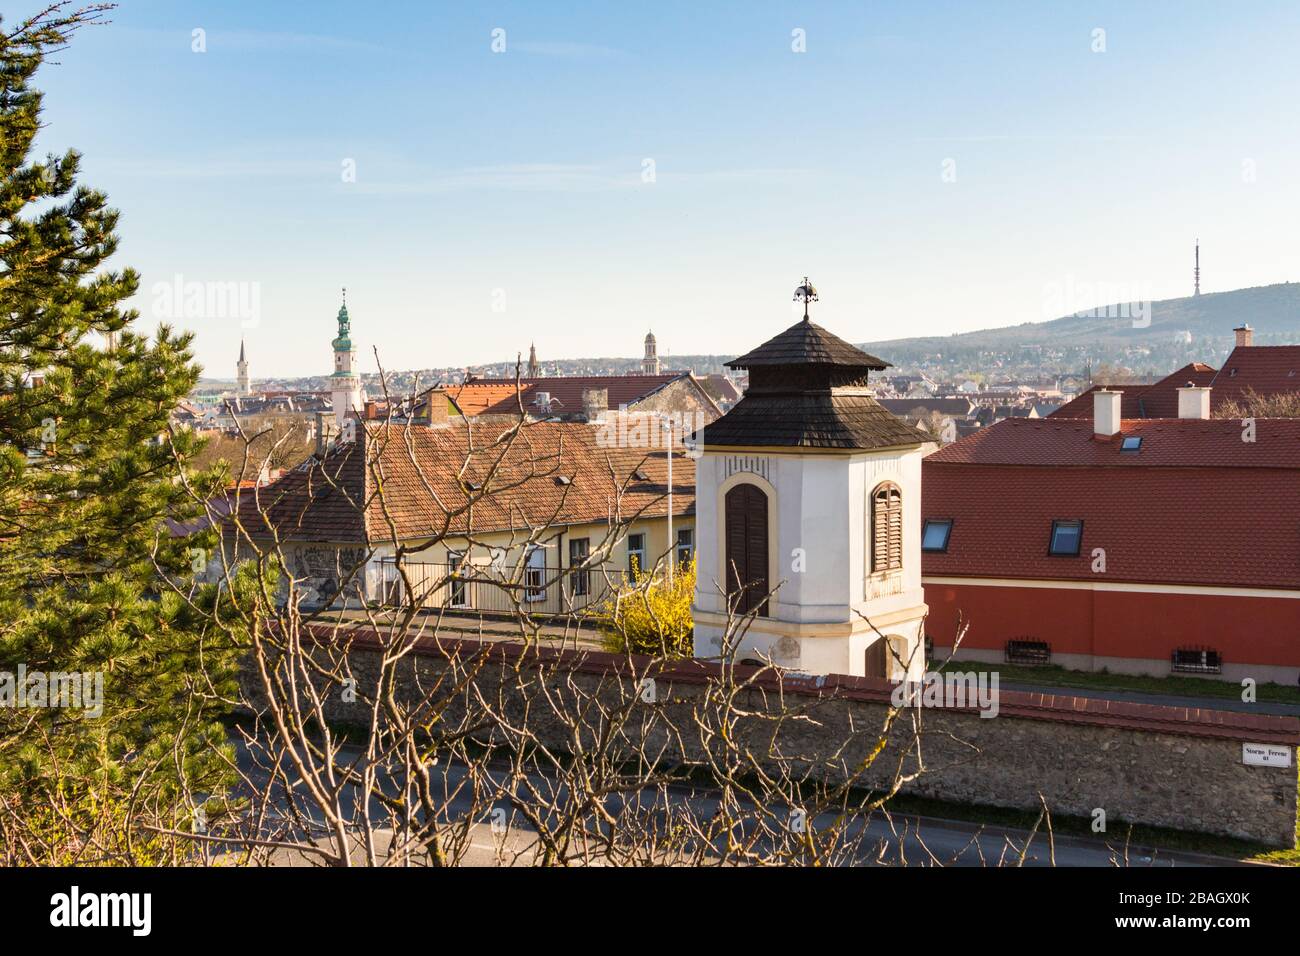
x=886, y=528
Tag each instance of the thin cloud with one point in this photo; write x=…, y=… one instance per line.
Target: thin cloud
x=249, y=40
x=564, y=49
x=529, y=177
x=544, y=177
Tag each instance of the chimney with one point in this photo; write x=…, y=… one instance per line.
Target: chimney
x=322, y=435
x=439, y=413
x=1245, y=336
x=1193, y=402
x=595, y=403
x=1105, y=412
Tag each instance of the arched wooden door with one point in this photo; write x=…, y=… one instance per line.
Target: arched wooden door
x=746, y=517
x=877, y=658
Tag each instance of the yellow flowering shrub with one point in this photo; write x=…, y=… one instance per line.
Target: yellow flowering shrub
x=648, y=615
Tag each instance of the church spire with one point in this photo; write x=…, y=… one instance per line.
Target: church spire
x=344, y=340
x=345, y=385
x=650, y=362
x=533, y=371
x=242, y=384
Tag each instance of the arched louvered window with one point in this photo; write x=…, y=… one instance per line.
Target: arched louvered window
x=886, y=528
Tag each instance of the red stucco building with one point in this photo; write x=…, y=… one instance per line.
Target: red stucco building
x=1140, y=545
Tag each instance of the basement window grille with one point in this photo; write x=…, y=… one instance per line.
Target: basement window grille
x=1028, y=652
x=1196, y=660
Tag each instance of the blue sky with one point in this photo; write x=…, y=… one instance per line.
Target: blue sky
x=500, y=198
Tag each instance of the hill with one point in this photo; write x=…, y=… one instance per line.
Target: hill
x=1273, y=310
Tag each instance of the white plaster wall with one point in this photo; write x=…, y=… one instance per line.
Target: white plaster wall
x=707, y=579
x=818, y=503
x=814, y=493
x=883, y=594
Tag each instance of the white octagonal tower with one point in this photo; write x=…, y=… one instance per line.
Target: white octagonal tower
x=808, y=516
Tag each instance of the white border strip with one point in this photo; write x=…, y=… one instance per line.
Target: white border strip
x=1278, y=593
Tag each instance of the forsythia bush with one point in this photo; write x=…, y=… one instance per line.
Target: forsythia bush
x=651, y=616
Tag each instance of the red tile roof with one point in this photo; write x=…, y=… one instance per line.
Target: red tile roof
x=1166, y=442
x=1181, y=510
x=1156, y=400
x=1265, y=369
x=511, y=484
x=494, y=396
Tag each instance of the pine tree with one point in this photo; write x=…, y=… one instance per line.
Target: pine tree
x=88, y=478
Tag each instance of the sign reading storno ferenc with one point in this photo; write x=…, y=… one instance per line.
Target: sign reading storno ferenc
x=1265, y=755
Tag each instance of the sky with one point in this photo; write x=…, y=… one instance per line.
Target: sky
x=482, y=176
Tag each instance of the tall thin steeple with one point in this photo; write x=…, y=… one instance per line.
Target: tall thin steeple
x=243, y=386
x=1196, y=272
x=533, y=371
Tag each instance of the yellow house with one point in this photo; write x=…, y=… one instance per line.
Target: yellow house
x=476, y=515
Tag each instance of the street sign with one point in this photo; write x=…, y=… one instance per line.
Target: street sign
x=1265, y=755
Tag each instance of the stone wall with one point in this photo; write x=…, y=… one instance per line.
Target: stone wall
x=1160, y=766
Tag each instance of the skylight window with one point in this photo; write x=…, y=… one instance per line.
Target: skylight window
x=934, y=536
x=1067, y=536
x=1131, y=443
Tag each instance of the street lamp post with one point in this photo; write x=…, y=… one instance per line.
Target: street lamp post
x=672, y=544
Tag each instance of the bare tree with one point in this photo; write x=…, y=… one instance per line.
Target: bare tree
x=389, y=733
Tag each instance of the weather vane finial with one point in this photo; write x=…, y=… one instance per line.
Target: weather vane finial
x=807, y=294
x=345, y=295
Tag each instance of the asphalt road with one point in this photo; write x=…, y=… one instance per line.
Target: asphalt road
x=896, y=839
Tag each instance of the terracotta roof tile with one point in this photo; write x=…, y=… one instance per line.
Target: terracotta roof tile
x=497, y=396
x=1195, y=505
x=422, y=482
x=1156, y=400
x=1265, y=369
x=1180, y=442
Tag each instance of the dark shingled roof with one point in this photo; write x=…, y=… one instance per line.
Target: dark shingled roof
x=806, y=343
x=813, y=420
x=807, y=389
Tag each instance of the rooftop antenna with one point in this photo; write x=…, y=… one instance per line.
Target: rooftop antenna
x=807, y=293
x=1196, y=273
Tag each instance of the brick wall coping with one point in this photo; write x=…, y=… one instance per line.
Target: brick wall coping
x=1061, y=708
